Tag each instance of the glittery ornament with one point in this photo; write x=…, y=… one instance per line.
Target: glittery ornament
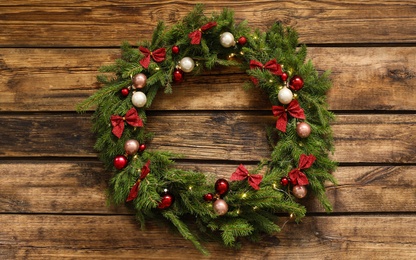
x=220, y=207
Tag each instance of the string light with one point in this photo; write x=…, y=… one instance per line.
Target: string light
x=244, y=195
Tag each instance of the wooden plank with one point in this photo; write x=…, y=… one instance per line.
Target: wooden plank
x=231, y=136
x=80, y=188
x=380, y=78
x=99, y=23
x=342, y=237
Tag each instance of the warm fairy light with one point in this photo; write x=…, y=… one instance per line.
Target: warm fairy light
x=244, y=195
x=270, y=80
x=157, y=68
x=255, y=208
x=242, y=53
x=274, y=186
x=231, y=55
x=190, y=188
x=238, y=211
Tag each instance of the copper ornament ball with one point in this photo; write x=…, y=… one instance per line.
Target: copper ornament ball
x=303, y=129
x=131, y=146
x=299, y=191
x=139, y=80
x=220, y=207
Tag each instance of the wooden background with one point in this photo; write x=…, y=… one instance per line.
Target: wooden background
x=52, y=198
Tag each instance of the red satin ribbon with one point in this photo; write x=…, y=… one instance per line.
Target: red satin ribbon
x=196, y=35
x=242, y=173
x=131, y=118
x=157, y=55
x=271, y=66
x=135, y=189
x=305, y=162
x=293, y=109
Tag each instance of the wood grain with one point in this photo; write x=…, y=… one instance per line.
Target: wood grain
x=99, y=23
x=52, y=187
x=30, y=236
x=374, y=78
x=80, y=188
x=230, y=136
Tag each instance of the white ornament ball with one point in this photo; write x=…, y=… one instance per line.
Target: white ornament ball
x=139, y=99
x=227, y=40
x=187, y=64
x=285, y=96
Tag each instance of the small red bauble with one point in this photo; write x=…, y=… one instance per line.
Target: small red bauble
x=177, y=75
x=221, y=186
x=166, y=201
x=120, y=161
x=175, y=49
x=303, y=129
x=242, y=40
x=284, y=181
x=296, y=82
x=142, y=147
x=124, y=92
x=283, y=76
x=299, y=191
x=208, y=197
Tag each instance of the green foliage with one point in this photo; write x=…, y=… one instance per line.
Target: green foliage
x=251, y=213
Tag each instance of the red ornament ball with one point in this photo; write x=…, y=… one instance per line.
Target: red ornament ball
x=208, y=197
x=177, y=75
x=124, y=92
x=175, y=49
x=283, y=76
x=296, y=83
x=142, y=147
x=120, y=161
x=284, y=181
x=166, y=201
x=299, y=191
x=303, y=129
x=222, y=186
x=242, y=40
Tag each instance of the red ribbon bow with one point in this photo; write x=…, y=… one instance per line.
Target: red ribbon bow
x=131, y=118
x=157, y=55
x=293, y=109
x=271, y=66
x=135, y=189
x=196, y=35
x=242, y=173
x=305, y=162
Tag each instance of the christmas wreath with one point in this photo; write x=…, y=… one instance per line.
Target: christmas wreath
x=248, y=203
